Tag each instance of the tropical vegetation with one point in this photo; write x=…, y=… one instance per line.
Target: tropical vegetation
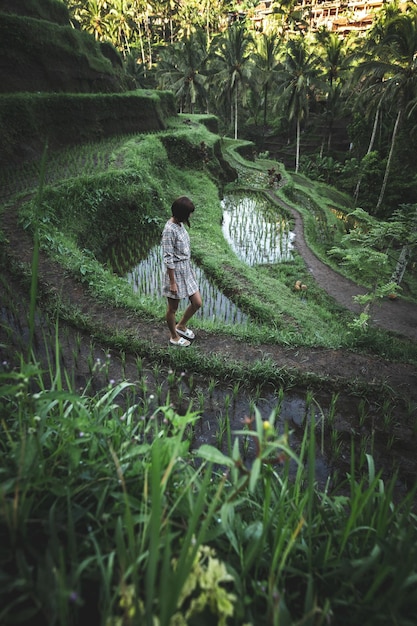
x=111, y=509
x=283, y=79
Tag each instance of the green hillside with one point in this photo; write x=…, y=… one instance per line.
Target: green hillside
x=58, y=84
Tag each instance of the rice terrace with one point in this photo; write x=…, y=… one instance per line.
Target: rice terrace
x=266, y=474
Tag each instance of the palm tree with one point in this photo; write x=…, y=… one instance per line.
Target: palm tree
x=267, y=63
x=189, y=16
x=121, y=17
x=139, y=18
x=296, y=82
x=335, y=65
x=394, y=76
x=367, y=93
x=141, y=21
x=231, y=69
x=168, y=11
x=93, y=17
x=182, y=69
x=369, y=150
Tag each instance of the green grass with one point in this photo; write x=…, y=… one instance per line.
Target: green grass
x=128, y=189
x=107, y=515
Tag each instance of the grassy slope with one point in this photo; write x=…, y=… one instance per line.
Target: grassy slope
x=136, y=182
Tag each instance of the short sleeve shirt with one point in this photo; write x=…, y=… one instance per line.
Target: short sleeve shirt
x=175, y=244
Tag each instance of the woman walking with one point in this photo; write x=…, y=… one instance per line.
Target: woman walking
x=179, y=280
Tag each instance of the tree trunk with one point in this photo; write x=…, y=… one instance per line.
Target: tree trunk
x=329, y=138
x=142, y=50
x=402, y=263
x=236, y=89
x=265, y=113
x=388, y=166
x=149, y=38
x=126, y=46
x=208, y=23
x=404, y=257
x=297, y=153
x=371, y=145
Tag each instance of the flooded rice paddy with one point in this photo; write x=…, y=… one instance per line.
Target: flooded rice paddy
x=255, y=231
x=224, y=407
x=146, y=279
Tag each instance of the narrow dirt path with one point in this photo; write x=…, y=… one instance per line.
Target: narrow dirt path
x=399, y=316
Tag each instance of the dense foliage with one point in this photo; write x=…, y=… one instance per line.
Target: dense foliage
x=286, y=78
x=107, y=514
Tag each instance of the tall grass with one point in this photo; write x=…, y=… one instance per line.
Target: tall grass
x=106, y=512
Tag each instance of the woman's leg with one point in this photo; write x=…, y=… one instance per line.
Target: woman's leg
x=195, y=304
x=170, y=317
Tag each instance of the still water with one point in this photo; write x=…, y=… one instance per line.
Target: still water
x=147, y=279
x=255, y=232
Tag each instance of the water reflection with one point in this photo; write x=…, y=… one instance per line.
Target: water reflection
x=147, y=279
x=293, y=412
x=254, y=230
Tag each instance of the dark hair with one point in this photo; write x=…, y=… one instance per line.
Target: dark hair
x=182, y=208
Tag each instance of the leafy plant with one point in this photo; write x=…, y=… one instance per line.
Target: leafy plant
x=366, y=251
